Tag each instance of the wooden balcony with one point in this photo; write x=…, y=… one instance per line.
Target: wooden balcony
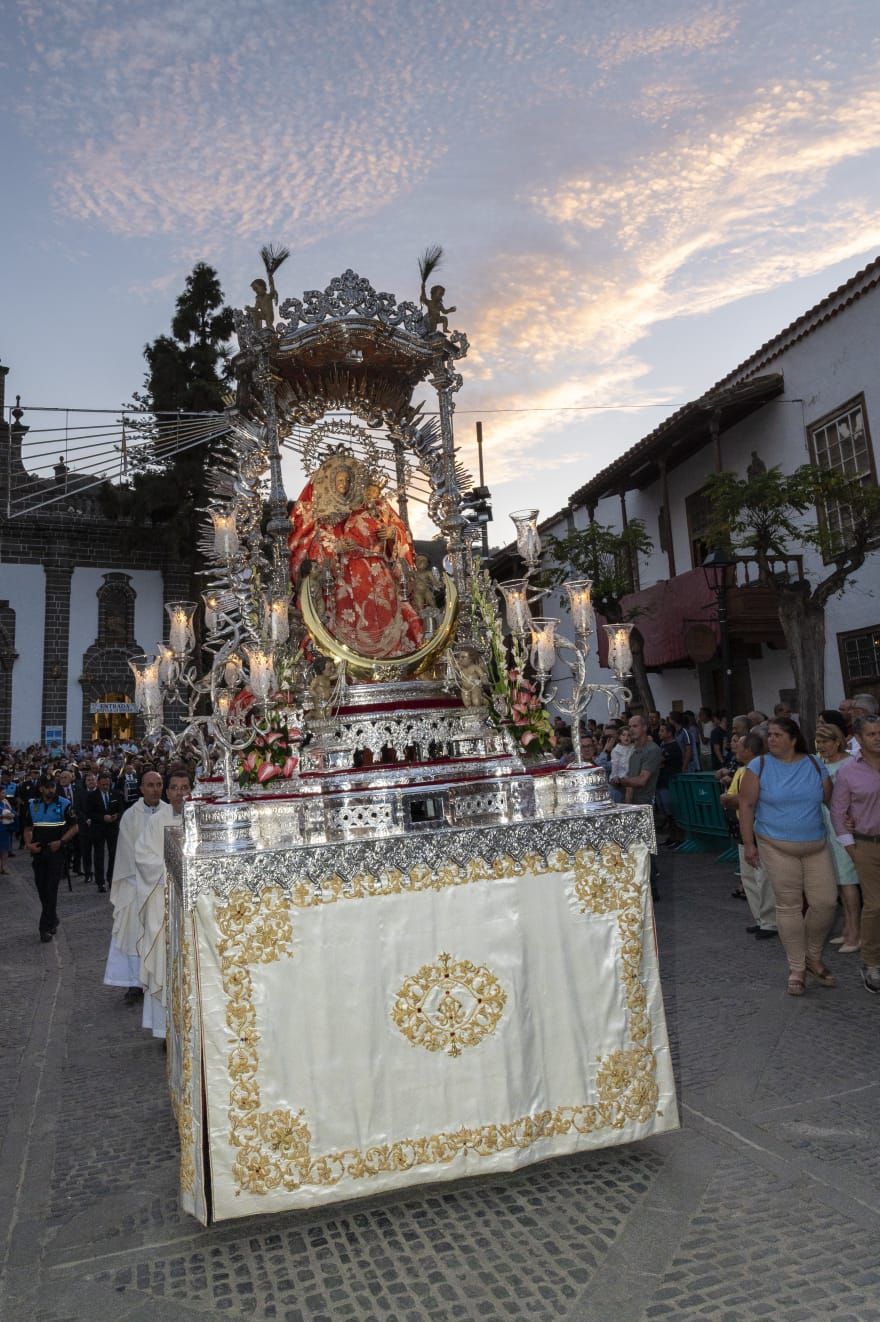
x=678, y=617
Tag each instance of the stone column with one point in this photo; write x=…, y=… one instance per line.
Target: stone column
x=56, y=644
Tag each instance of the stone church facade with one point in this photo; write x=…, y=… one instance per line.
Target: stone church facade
x=80, y=594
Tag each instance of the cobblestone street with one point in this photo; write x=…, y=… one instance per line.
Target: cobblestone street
x=765, y=1205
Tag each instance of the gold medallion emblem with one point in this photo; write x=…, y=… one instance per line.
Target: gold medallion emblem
x=449, y=1005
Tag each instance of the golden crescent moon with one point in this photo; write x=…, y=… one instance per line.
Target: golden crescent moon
x=380, y=667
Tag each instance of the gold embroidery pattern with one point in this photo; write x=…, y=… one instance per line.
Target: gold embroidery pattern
x=605, y=881
x=423, y=878
x=449, y=1005
x=255, y=930
x=182, y=1019
x=274, y=1147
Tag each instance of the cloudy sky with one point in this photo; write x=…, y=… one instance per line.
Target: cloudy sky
x=631, y=196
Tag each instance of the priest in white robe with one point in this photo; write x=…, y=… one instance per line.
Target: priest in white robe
x=151, y=942
x=138, y=869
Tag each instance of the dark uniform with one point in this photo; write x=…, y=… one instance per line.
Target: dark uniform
x=84, y=836
x=101, y=804
x=48, y=822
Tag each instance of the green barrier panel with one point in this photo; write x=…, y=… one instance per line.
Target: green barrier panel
x=696, y=805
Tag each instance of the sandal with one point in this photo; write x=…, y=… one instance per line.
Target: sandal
x=796, y=984
x=822, y=975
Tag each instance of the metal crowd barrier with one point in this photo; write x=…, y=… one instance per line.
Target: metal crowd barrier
x=696, y=807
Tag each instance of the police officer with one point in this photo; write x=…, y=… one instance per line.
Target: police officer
x=50, y=825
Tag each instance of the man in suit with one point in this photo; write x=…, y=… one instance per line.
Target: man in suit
x=81, y=792
x=66, y=791
x=126, y=785
x=104, y=810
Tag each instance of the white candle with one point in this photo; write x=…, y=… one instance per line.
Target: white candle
x=516, y=606
x=580, y=604
x=212, y=603
x=232, y=670
x=544, y=644
x=178, y=632
x=619, y=651
x=165, y=658
x=225, y=534
x=261, y=675
x=279, y=624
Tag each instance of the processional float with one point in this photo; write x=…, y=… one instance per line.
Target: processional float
x=401, y=948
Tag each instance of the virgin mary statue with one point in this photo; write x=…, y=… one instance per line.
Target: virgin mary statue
x=346, y=533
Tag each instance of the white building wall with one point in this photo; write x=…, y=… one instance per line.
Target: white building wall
x=822, y=372
x=24, y=587
x=148, y=616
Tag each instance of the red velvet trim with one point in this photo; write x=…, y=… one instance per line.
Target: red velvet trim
x=393, y=766
x=419, y=704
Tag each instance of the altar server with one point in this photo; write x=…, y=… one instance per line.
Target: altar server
x=138, y=868
x=151, y=943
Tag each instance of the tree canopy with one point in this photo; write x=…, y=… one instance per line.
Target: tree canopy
x=185, y=374
x=774, y=516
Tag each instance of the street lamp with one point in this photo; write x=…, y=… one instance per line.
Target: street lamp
x=716, y=568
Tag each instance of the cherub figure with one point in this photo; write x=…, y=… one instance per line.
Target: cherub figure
x=263, y=310
x=435, y=313
x=323, y=684
x=262, y=313
x=423, y=593
x=471, y=678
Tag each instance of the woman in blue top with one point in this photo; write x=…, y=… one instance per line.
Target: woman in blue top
x=780, y=814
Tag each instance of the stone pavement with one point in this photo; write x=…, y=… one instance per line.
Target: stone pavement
x=765, y=1205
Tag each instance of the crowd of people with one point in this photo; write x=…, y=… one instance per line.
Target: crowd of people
x=805, y=819
x=99, y=813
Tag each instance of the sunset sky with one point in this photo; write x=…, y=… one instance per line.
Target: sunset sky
x=631, y=196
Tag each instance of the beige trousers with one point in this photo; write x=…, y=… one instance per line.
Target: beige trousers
x=759, y=892
x=798, y=870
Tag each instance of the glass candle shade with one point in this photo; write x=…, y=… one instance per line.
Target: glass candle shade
x=232, y=670
x=147, y=689
x=181, y=634
x=225, y=534
x=580, y=605
x=261, y=673
x=619, y=651
x=222, y=703
x=167, y=664
x=516, y=606
x=278, y=622
x=212, y=605
x=543, y=644
x=528, y=539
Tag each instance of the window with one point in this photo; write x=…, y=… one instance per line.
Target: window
x=699, y=518
x=860, y=660
x=841, y=443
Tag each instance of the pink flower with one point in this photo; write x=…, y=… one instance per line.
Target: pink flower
x=242, y=702
x=267, y=772
x=273, y=736
x=250, y=762
x=526, y=739
x=290, y=767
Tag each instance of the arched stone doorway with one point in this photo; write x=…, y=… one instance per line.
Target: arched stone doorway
x=106, y=679
x=112, y=718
